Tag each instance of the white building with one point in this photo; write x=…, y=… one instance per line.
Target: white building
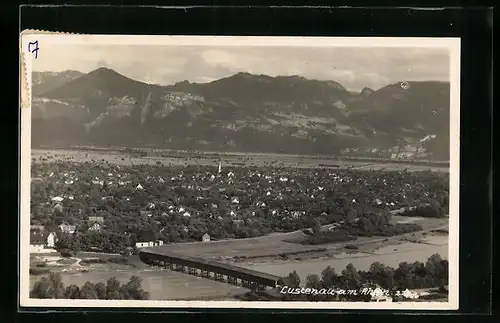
x=40, y=243
x=205, y=237
x=66, y=228
x=51, y=240
x=157, y=243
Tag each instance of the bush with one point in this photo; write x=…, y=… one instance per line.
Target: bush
x=328, y=237
x=39, y=271
x=118, y=260
x=426, y=211
x=93, y=261
x=66, y=253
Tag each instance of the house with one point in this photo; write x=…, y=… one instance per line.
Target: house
x=142, y=244
x=66, y=228
x=381, y=298
x=96, y=226
x=129, y=251
x=51, y=240
x=39, y=242
x=146, y=213
x=334, y=226
x=37, y=228
x=95, y=223
x=58, y=207
x=98, y=219
x=376, y=293
x=157, y=243
x=205, y=238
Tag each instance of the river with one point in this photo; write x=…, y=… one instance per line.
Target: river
x=168, y=285
x=162, y=285
x=390, y=256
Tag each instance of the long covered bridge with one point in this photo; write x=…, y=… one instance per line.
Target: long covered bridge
x=208, y=269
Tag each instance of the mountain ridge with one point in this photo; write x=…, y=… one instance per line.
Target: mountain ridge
x=241, y=111
x=45, y=81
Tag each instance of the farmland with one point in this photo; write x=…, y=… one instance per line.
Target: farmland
x=172, y=158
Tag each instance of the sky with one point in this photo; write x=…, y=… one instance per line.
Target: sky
x=354, y=68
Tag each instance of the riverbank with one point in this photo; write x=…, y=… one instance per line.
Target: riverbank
x=390, y=253
x=287, y=246
x=161, y=284
x=171, y=285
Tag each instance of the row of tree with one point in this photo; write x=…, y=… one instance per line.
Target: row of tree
x=51, y=286
x=416, y=275
x=434, y=210
x=368, y=223
x=104, y=241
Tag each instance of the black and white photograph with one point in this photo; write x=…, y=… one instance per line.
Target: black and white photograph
x=239, y=172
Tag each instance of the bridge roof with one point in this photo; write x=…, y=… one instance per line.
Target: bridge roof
x=162, y=252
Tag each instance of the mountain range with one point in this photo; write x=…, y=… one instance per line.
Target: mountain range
x=242, y=112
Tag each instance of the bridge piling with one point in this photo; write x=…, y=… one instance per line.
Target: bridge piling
x=208, y=268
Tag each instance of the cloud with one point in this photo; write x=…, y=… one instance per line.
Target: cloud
x=102, y=63
x=353, y=67
x=196, y=69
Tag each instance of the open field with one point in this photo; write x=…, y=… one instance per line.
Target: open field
x=392, y=253
x=217, y=154
x=293, y=161
x=282, y=245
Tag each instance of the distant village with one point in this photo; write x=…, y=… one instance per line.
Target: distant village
x=416, y=151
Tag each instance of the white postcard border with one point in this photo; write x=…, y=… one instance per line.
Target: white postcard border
x=452, y=44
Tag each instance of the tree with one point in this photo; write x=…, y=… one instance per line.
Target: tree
x=68, y=242
x=316, y=228
x=351, y=216
x=445, y=272
x=351, y=277
x=100, y=289
x=40, y=289
x=382, y=275
x=113, y=289
x=402, y=275
x=329, y=277
x=88, y=291
x=133, y=289
x=72, y=292
x=292, y=280
x=48, y=287
x=313, y=281
x=437, y=269
x=376, y=268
